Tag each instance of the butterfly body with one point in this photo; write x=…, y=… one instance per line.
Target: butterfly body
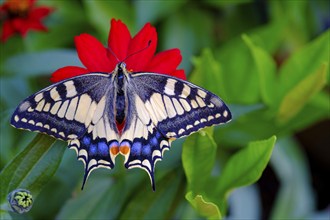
x=136, y=115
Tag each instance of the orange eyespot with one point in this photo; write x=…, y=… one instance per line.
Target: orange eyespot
x=124, y=149
x=114, y=150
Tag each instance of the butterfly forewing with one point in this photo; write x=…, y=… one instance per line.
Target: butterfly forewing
x=176, y=107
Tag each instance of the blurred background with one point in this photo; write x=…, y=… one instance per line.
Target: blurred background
x=269, y=60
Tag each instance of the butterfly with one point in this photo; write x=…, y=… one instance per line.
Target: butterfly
x=154, y=109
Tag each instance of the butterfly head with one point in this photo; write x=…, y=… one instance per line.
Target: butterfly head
x=121, y=67
x=120, y=70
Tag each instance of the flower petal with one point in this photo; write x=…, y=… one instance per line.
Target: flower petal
x=35, y=25
x=165, y=62
x=7, y=31
x=21, y=26
x=179, y=74
x=118, y=41
x=40, y=12
x=67, y=72
x=93, y=54
x=145, y=40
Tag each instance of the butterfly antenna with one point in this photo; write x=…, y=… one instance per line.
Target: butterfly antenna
x=139, y=51
x=113, y=54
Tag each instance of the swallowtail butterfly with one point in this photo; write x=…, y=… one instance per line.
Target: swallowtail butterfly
x=155, y=109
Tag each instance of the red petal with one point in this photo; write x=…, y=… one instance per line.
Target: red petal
x=179, y=74
x=67, y=72
x=7, y=31
x=118, y=41
x=37, y=26
x=93, y=54
x=20, y=25
x=138, y=62
x=40, y=12
x=165, y=62
x=31, y=2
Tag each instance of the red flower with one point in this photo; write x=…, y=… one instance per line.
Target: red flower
x=20, y=16
x=97, y=58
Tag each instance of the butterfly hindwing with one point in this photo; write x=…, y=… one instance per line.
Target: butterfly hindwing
x=161, y=109
x=77, y=110
x=145, y=144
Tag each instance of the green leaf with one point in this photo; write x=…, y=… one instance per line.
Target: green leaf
x=198, y=156
x=240, y=72
x=301, y=93
x=246, y=166
x=266, y=71
x=146, y=204
x=303, y=63
x=269, y=37
x=156, y=10
x=33, y=167
x=203, y=207
x=101, y=12
x=207, y=73
x=37, y=63
x=191, y=30
x=63, y=24
x=5, y=215
x=97, y=198
x=224, y=3
x=298, y=18
x=240, y=78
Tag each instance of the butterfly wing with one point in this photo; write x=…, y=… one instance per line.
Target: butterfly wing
x=79, y=110
x=161, y=109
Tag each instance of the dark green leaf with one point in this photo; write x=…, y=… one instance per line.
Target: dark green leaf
x=224, y=3
x=97, y=198
x=33, y=167
x=147, y=204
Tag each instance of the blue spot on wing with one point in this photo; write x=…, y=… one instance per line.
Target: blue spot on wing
x=142, y=150
x=97, y=150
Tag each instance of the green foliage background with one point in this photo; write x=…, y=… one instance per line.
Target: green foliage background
x=269, y=60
